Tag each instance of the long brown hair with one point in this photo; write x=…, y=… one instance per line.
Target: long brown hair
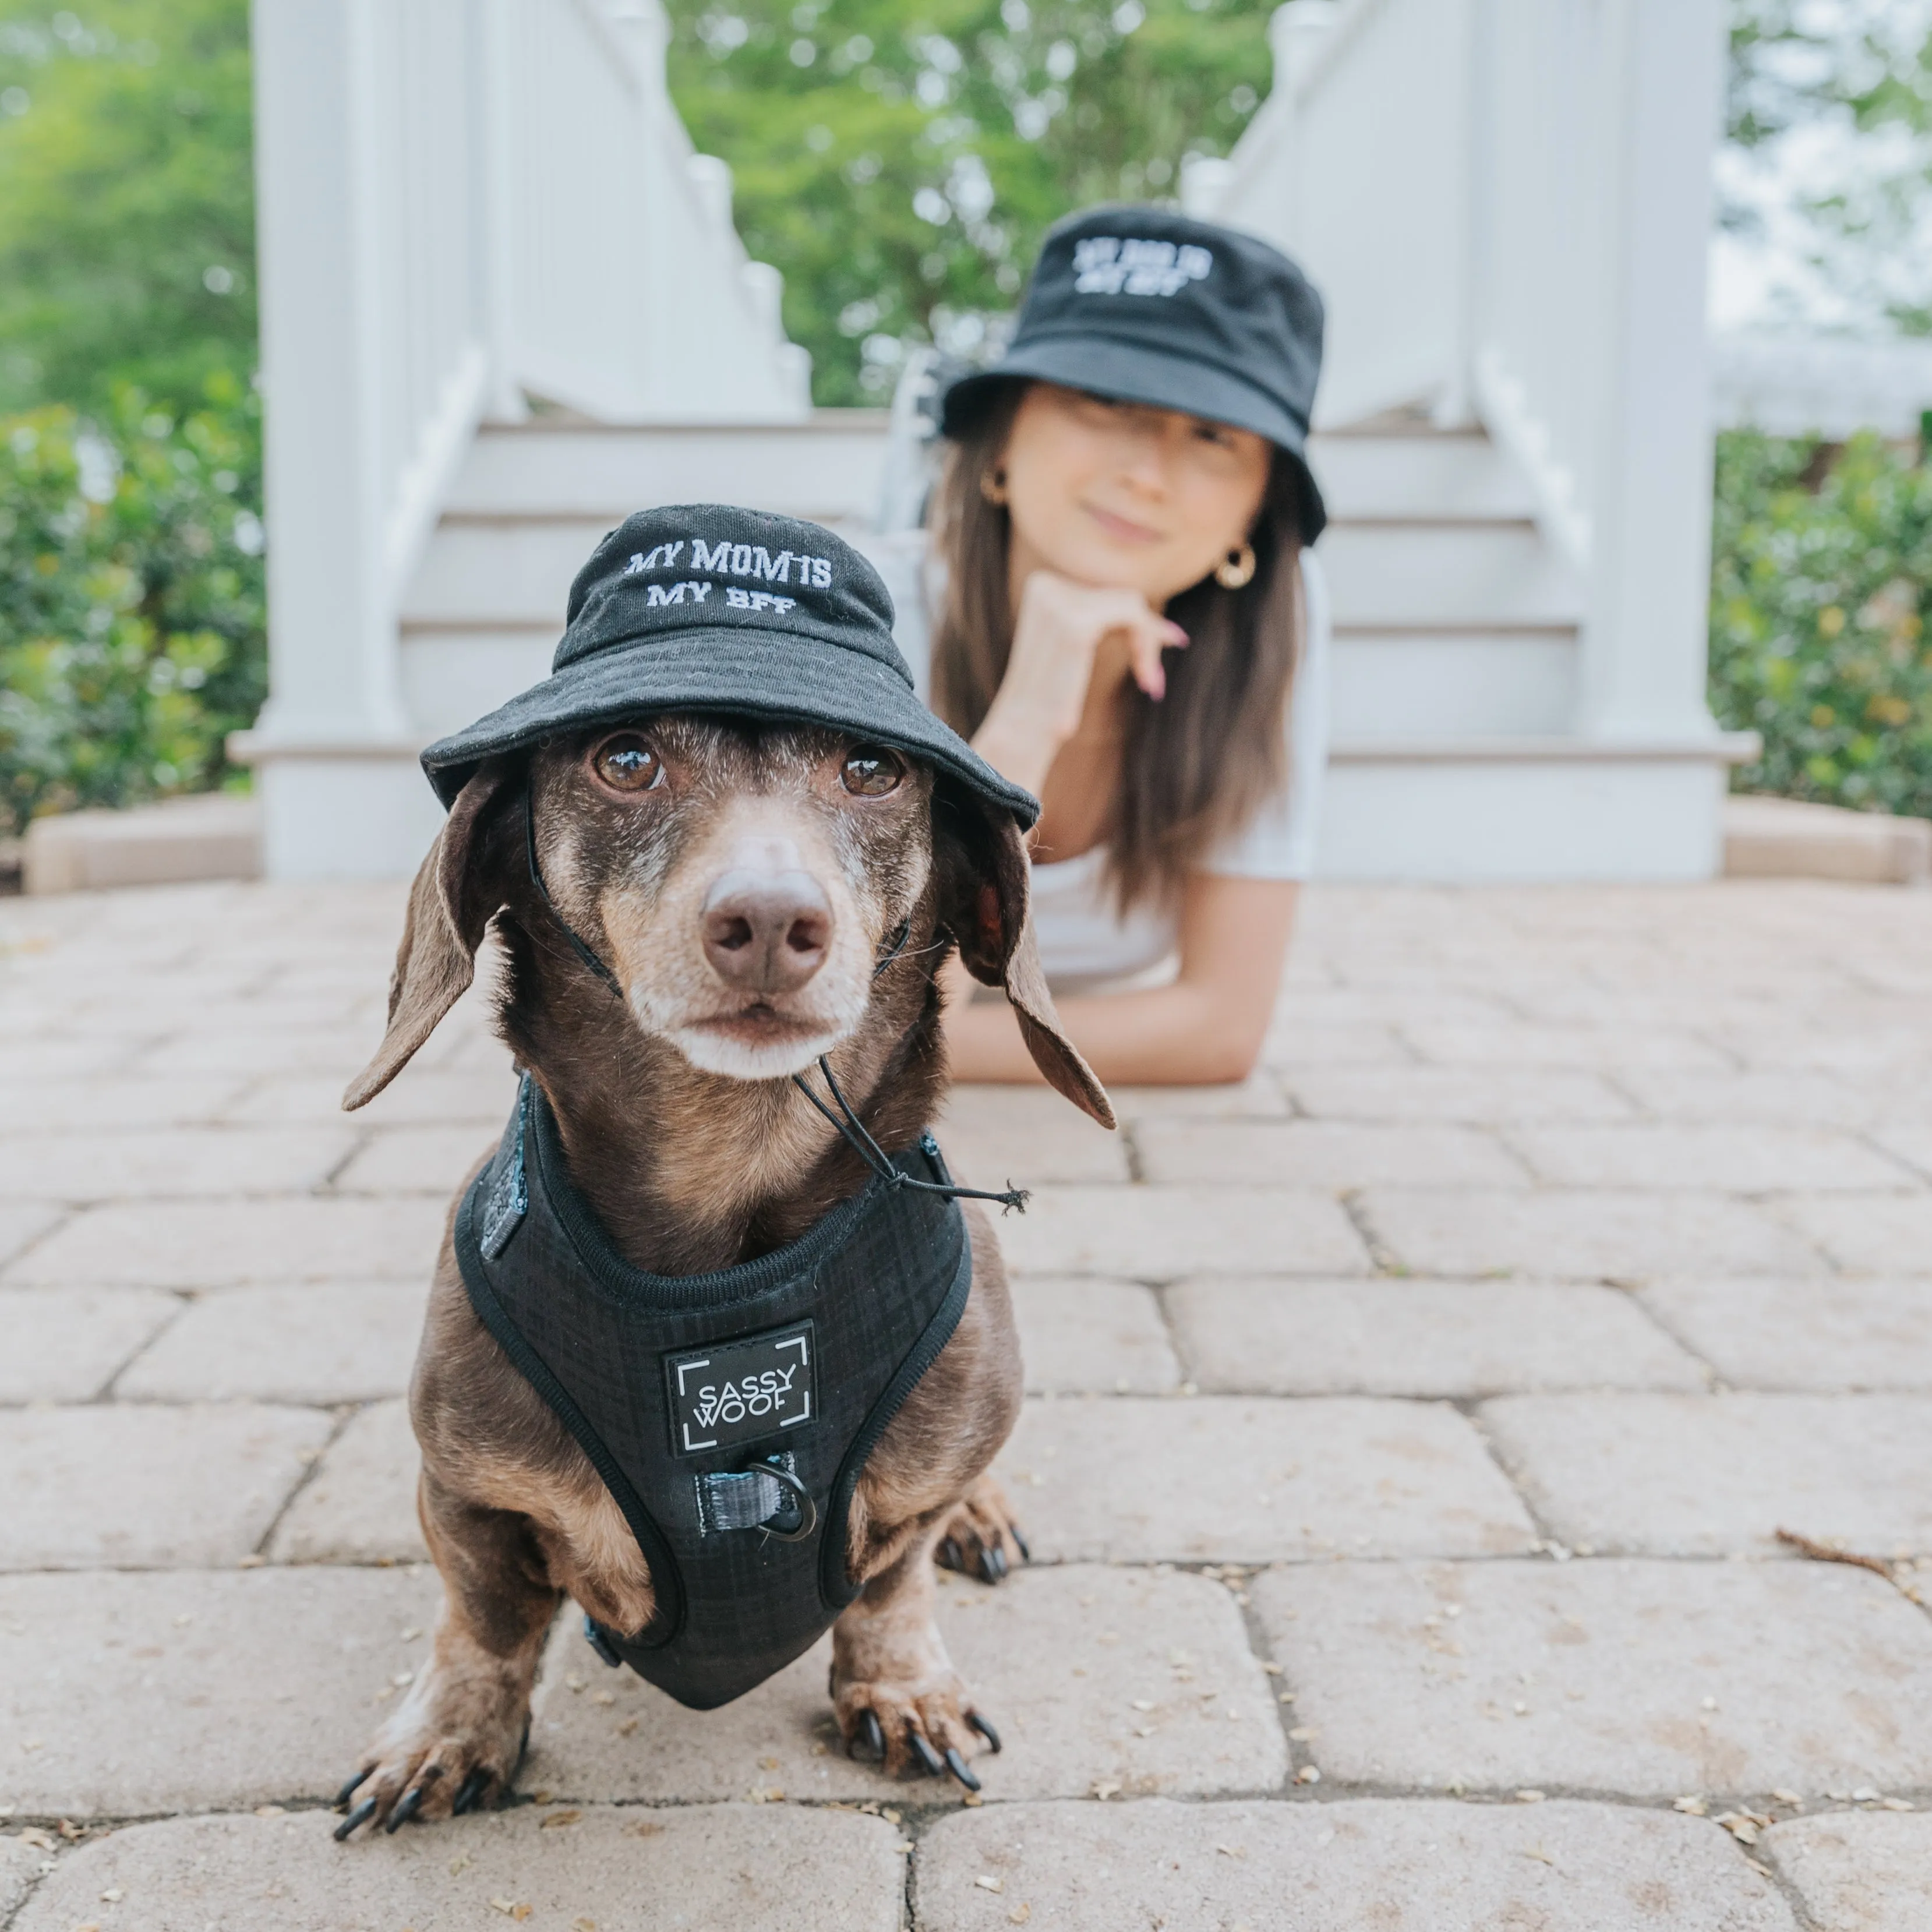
x=1196, y=766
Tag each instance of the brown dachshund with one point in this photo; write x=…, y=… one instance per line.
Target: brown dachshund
x=758, y=897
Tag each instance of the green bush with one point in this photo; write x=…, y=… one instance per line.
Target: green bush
x=1821, y=590
x=131, y=610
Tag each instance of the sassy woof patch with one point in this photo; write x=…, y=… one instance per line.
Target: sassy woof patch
x=737, y=1391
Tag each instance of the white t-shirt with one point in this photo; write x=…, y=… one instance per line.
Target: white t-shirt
x=1083, y=939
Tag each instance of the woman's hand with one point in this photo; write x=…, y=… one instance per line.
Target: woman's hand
x=1057, y=640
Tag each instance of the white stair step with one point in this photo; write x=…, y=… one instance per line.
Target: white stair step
x=493, y=571
x=1425, y=477
x=1411, y=684
x=1406, y=686
x=829, y=468
x=1559, y=811
x=451, y=678
x=1405, y=577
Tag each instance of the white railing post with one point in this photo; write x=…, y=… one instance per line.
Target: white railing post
x=332, y=625
x=1645, y=638
x=504, y=401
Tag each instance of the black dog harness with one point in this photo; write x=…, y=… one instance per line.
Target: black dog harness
x=730, y=1415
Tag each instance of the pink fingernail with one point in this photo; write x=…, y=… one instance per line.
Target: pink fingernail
x=1176, y=635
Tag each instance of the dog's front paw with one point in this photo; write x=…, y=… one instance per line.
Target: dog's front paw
x=453, y=1747
x=928, y=1726
x=981, y=1538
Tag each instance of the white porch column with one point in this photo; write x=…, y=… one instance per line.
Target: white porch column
x=1645, y=642
x=333, y=749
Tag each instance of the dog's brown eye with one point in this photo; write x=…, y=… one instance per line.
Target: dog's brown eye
x=870, y=773
x=627, y=763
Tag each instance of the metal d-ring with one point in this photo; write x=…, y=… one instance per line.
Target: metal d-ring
x=808, y=1510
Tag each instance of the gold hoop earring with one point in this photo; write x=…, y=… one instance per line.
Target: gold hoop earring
x=1237, y=569
x=993, y=486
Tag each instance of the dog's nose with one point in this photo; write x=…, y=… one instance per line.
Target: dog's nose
x=767, y=931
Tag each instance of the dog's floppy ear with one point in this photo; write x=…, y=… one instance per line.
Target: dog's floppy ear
x=450, y=907
x=985, y=885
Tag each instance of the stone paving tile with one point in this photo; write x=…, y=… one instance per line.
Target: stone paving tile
x=1296, y=1040
x=1028, y=1134
x=1072, y=1666
x=418, y=1096
x=121, y=1485
x=1673, y=1475
x=228, y=1046
x=1078, y=1334
x=777, y=1868
x=1329, y=1154
x=1480, y=1096
x=1811, y=1099
x=1655, y=1680
x=416, y=1160
x=64, y=1344
x=172, y=1691
x=1157, y=1233
x=1419, y=1338
x=1857, y=1871
x=1737, y=1158
x=1909, y=1142
x=1602, y=1049
x=160, y=1162
x=1582, y=1234
x=37, y=1107
x=220, y=1243
x=1401, y=1866
x=1867, y=1234
x=52, y=1056
x=1219, y=1479
x=360, y=1506
x=325, y=1342
x=21, y=1224
x=1258, y=1097
x=20, y=1863
x=1838, y=1332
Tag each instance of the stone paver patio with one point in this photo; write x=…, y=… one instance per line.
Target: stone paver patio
x=1411, y=1430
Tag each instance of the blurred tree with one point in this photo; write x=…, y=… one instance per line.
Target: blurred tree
x=127, y=201
x=1830, y=133
x=899, y=159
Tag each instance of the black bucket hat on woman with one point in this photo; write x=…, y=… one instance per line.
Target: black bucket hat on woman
x=1148, y=305
x=700, y=607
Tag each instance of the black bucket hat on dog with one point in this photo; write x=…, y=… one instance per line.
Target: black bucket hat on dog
x=700, y=607
x=1148, y=305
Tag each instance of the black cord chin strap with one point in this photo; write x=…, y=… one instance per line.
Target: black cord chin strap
x=875, y=1156
x=582, y=950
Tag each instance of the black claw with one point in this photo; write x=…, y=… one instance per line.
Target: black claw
x=933, y=1763
x=361, y=1815
x=951, y=1554
x=1019, y=1542
x=992, y=1564
x=349, y=1790
x=411, y=1805
x=957, y=1764
x=875, y=1737
x=985, y=1730
x=468, y=1791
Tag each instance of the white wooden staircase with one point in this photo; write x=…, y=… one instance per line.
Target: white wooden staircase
x=1456, y=661
x=1505, y=202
